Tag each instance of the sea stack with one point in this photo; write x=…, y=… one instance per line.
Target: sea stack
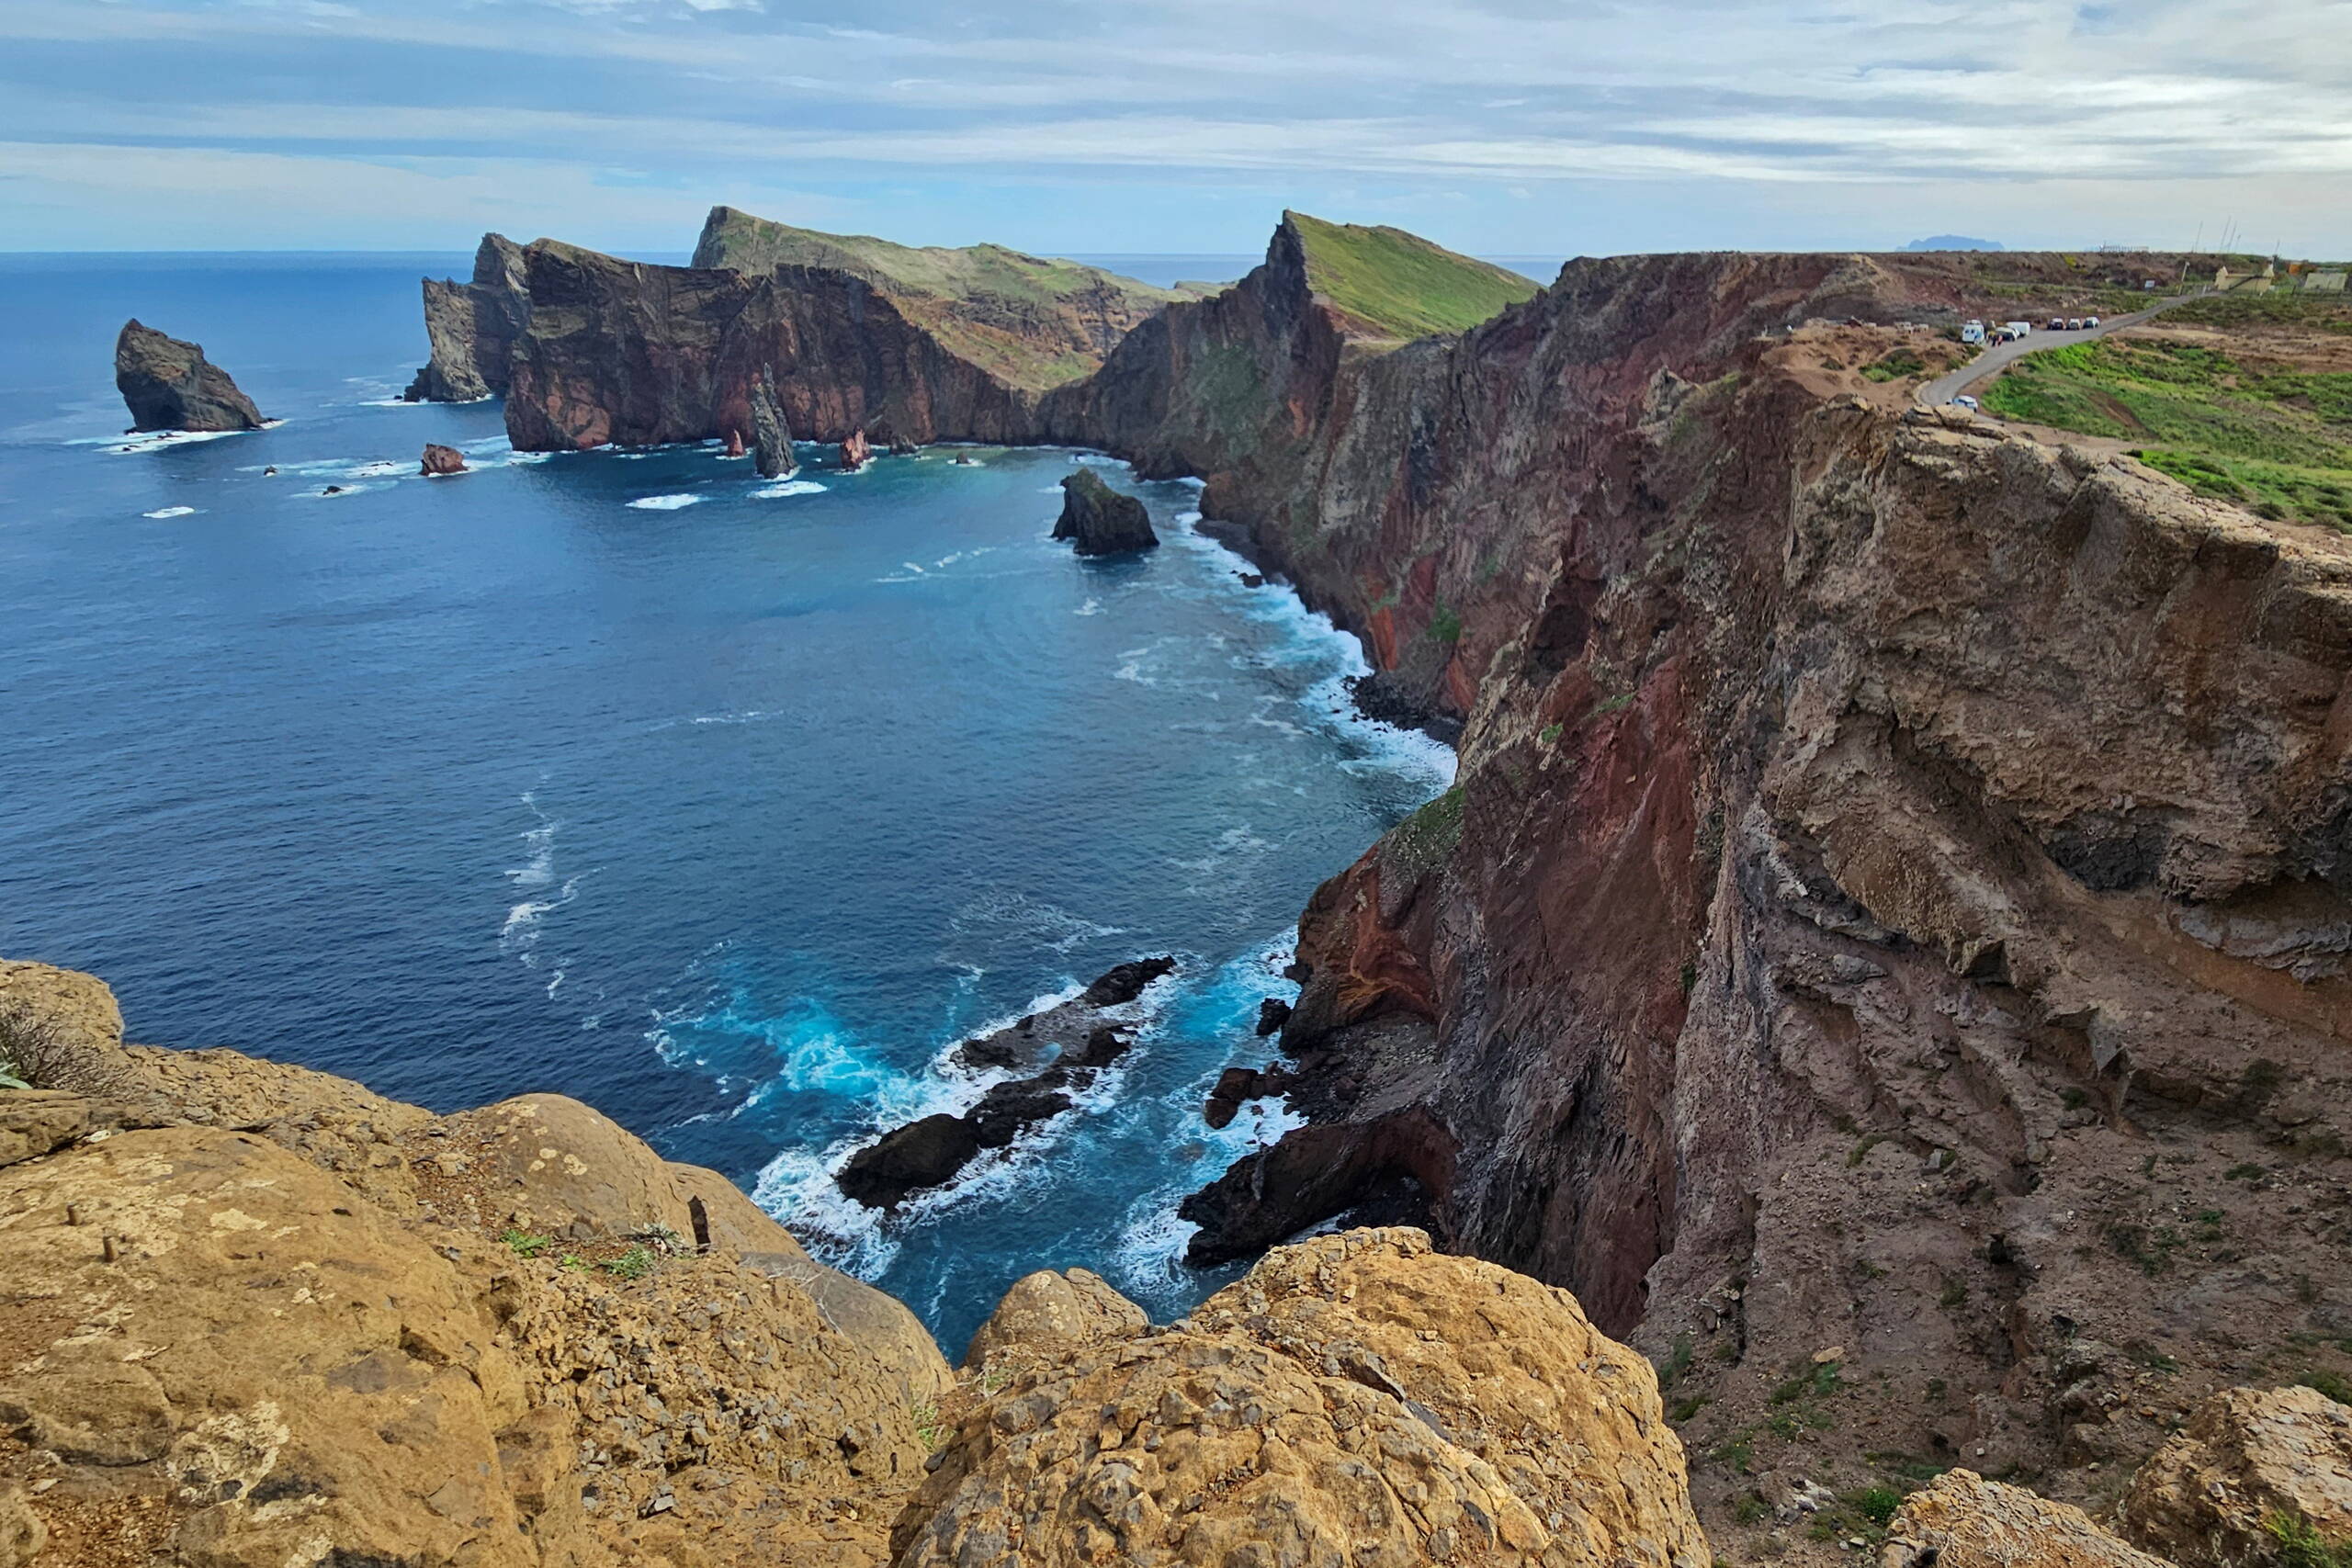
x=1103, y=521
x=169, y=385
x=440, y=460
x=857, y=452
x=771, y=438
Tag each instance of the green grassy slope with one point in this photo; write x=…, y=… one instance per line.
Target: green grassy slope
x=758, y=244
x=1400, y=285
x=994, y=307
x=2278, y=441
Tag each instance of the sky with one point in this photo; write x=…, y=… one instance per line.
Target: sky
x=1509, y=127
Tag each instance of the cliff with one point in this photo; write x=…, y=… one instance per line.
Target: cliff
x=1238, y=383
x=471, y=327
x=909, y=345
x=257, y=1315
x=1892, y=917
x=169, y=385
x=1032, y=321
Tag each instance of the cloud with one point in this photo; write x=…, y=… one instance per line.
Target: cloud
x=1453, y=101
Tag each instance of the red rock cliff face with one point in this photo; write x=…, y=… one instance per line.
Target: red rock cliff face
x=1899, y=870
x=635, y=355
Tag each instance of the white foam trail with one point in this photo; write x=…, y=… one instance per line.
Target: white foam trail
x=663, y=502
x=789, y=487
x=162, y=438
x=1091, y=607
x=170, y=511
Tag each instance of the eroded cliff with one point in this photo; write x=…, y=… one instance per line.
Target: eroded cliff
x=1894, y=917
x=470, y=327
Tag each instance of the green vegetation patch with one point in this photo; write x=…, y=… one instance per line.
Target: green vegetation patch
x=2276, y=442
x=1424, y=841
x=1399, y=284
x=1894, y=367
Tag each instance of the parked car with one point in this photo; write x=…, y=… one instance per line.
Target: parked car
x=2074, y=324
x=2057, y=324
x=2091, y=320
x=2018, y=328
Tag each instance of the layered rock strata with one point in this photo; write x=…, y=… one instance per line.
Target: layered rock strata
x=1899, y=870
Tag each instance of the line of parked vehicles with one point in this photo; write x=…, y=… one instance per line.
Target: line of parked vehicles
x=2010, y=331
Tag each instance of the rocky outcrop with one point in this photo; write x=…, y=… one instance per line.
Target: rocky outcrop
x=471, y=328
x=1962, y=1520
x=2255, y=1475
x=933, y=1150
x=440, y=461
x=1357, y=1398
x=275, y=1318
x=256, y=1312
x=770, y=436
x=169, y=385
x=1100, y=519
x=1053, y=1312
x=1072, y=1041
x=857, y=452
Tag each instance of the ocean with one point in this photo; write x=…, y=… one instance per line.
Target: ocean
x=727, y=806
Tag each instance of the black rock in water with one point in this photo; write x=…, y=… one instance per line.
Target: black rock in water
x=1100, y=519
x=932, y=1152
x=771, y=438
x=1124, y=982
x=169, y=385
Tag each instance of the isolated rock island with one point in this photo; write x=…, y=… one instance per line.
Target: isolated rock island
x=169, y=385
x=1102, y=521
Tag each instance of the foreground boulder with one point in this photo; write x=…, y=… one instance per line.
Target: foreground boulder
x=1358, y=1399
x=440, y=460
x=169, y=385
x=1102, y=521
x=2252, y=1471
x=1962, y=1520
x=257, y=1315
x=1052, y=1311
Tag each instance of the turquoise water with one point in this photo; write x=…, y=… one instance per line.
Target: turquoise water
x=725, y=806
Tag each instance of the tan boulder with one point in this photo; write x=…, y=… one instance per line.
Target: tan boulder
x=1048, y=1311
x=551, y=1166
x=1962, y=1520
x=244, y=1361
x=2251, y=1464
x=268, y=1358
x=1356, y=1398
x=876, y=1322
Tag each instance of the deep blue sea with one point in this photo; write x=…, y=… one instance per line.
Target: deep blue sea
x=725, y=806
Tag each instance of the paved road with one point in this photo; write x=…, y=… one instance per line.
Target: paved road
x=1943, y=388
